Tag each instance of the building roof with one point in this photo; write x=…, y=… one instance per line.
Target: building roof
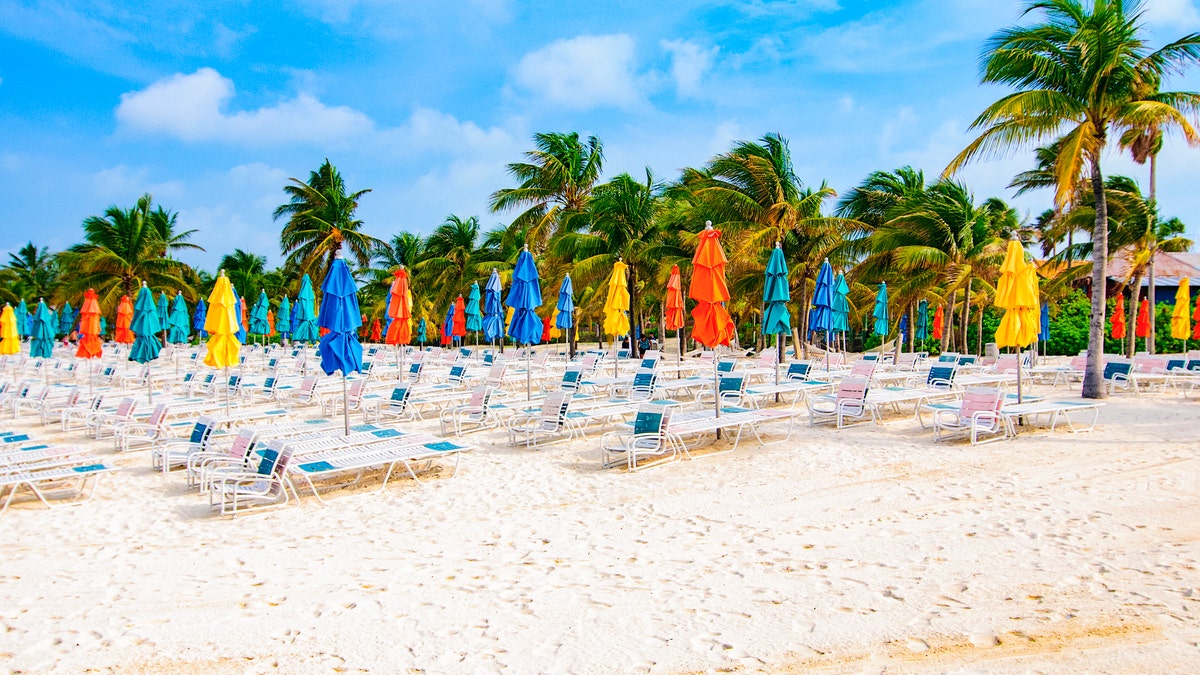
x=1168, y=268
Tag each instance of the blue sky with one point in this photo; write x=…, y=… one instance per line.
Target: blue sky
x=212, y=106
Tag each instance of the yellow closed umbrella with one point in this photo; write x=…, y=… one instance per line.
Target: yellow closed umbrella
x=1017, y=295
x=555, y=333
x=616, y=320
x=1181, y=325
x=10, y=341
x=221, y=323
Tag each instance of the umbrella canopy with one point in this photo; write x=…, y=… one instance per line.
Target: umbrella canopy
x=1044, y=330
x=459, y=327
x=124, y=317
x=922, y=329
x=881, y=311
x=1196, y=318
x=712, y=324
x=1180, y=325
x=473, y=310
x=199, y=318
x=270, y=323
x=339, y=348
x=525, y=296
x=422, y=331
x=44, y=327
x=939, y=322
x=902, y=327
x=22, y=316
x=221, y=324
x=66, y=319
x=239, y=315
x=399, y=310
x=776, y=318
x=555, y=333
x=1118, y=318
x=673, y=303
x=616, y=306
x=90, y=345
x=163, y=306
x=283, y=320
x=1142, y=327
x=564, y=309
x=820, y=317
x=493, y=325
x=1017, y=295
x=376, y=331
x=546, y=323
x=177, y=321
x=145, y=325
x=841, y=305
x=10, y=340
x=305, y=313
x=448, y=325
x=258, y=315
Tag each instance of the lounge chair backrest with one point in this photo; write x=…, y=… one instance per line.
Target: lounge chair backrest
x=768, y=358
x=948, y=357
x=981, y=399
x=1079, y=362
x=798, y=370
x=269, y=384
x=496, y=373
x=456, y=373
x=941, y=375
x=966, y=360
x=622, y=353
x=73, y=397
x=725, y=366
x=1193, y=364
x=201, y=431
x=158, y=415
x=588, y=364
x=479, y=397
x=648, y=363
x=126, y=407
x=243, y=444
x=1176, y=364
x=730, y=383
x=355, y=392
x=863, y=369
x=643, y=384
x=852, y=389
x=870, y=357
x=651, y=420
x=1149, y=364
x=414, y=368
x=489, y=358
x=463, y=351
x=571, y=378
x=1119, y=369
x=1006, y=363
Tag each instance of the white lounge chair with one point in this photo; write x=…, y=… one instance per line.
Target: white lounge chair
x=978, y=414
x=647, y=439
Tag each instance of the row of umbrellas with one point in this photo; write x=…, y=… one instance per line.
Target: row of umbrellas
x=1183, y=327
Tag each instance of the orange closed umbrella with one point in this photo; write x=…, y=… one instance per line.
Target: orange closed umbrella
x=458, y=325
x=376, y=331
x=1118, y=319
x=124, y=319
x=939, y=321
x=1142, y=328
x=712, y=324
x=400, y=310
x=673, y=305
x=270, y=323
x=90, y=346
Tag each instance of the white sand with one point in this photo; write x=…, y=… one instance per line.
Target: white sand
x=865, y=550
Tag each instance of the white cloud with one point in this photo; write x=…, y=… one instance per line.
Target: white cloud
x=893, y=129
x=432, y=131
x=583, y=72
x=689, y=62
x=193, y=108
x=724, y=136
x=1178, y=15
x=122, y=185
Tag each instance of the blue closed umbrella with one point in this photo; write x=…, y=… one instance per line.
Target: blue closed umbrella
x=566, y=304
x=881, y=311
x=339, y=348
x=177, y=321
x=22, y=312
x=66, y=319
x=922, y=330
x=525, y=296
x=493, y=325
x=198, y=318
x=448, y=326
x=1044, y=333
x=776, y=318
x=903, y=328
x=284, y=320
x=305, y=329
x=237, y=315
x=42, y=330
x=474, y=315
x=820, y=316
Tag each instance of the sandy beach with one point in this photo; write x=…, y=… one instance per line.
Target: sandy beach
x=866, y=550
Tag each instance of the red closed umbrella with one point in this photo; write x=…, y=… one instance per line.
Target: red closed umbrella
x=1142, y=328
x=712, y=324
x=399, y=309
x=376, y=331
x=1118, y=319
x=458, y=326
x=90, y=346
x=939, y=323
x=122, y=333
x=1196, y=318
x=546, y=328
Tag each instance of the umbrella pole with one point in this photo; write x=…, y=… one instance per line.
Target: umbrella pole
x=1019, y=392
x=716, y=390
x=226, y=383
x=528, y=374
x=345, y=407
x=614, y=351
x=778, y=360
x=149, y=389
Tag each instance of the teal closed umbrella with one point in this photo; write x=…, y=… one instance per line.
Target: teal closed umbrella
x=144, y=325
x=42, y=331
x=164, y=312
x=881, y=311
x=306, y=317
x=776, y=294
x=258, y=316
x=283, y=319
x=178, y=324
x=922, y=330
x=22, y=312
x=66, y=319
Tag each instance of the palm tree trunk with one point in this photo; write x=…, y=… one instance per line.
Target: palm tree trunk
x=1153, y=249
x=1093, y=375
x=966, y=316
x=1131, y=322
x=948, y=328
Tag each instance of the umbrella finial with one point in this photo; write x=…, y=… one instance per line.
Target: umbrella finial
x=778, y=245
x=337, y=253
x=708, y=225
x=221, y=273
x=143, y=284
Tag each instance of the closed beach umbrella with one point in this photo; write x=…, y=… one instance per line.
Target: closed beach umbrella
x=493, y=325
x=616, y=307
x=459, y=326
x=376, y=331
x=939, y=322
x=902, y=328
x=305, y=312
x=1044, y=331
x=44, y=328
x=270, y=323
x=399, y=310
x=145, y=325
x=422, y=331
x=841, y=304
x=776, y=294
x=66, y=319
x=564, y=309
x=239, y=315
x=1196, y=318
x=1017, y=295
x=1118, y=318
x=177, y=321
x=448, y=325
x=1180, y=325
x=259, y=325
x=340, y=315
x=1142, y=327
x=921, y=333
x=821, y=316
x=163, y=305
x=473, y=311
x=673, y=306
x=711, y=324
x=555, y=333
x=283, y=319
x=547, y=322
x=524, y=297
x=221, y=324
x=10, y=340
x=880, y=312
x=124, y=318
x=21, y=314
x=90, y=345
x=199, y=318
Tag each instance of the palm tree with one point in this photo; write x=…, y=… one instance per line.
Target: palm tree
x=320, y=218
x=125, y=247
x=246, y=271
x=1080, y=75
x=555, y=185
x=34, y=271
x=451, y=260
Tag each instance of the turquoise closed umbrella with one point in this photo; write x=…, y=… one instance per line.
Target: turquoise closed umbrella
x=164, y=311
x=177, y=321
x=283, y=319
x=922, y=330
x=22, y=312
x=66, y=319
x=422, y=332
x=776, y=294
x=42, y=332
x=881, y=311
x=258, y=315
x=474, y=313
x=144, y=325
x=306, y=317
